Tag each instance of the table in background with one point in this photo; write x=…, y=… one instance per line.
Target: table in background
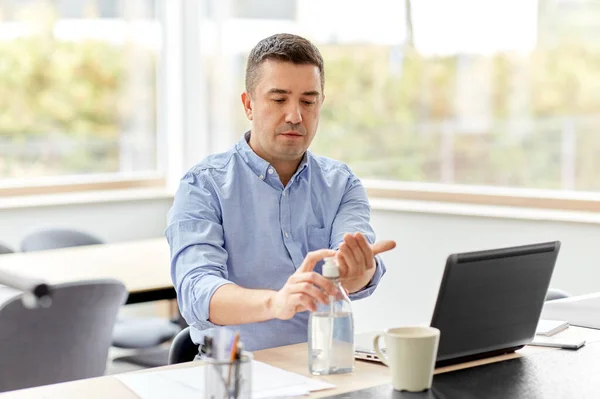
x=143, y=266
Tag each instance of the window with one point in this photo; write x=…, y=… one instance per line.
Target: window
x=78, y=90
x=463, y=93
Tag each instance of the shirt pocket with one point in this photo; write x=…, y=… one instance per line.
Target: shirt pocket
x=317, y=238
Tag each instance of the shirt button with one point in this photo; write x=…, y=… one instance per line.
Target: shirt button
x=285, y=233
x=284, y=193
x=270, y=171
x=261, y=177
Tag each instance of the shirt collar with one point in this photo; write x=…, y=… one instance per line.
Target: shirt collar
x=258, y=165
x=303, y=166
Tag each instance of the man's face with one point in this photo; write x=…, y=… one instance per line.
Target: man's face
x=284, y=110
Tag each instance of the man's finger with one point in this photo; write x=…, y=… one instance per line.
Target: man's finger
x=366, y=250
x=310, y=290
x=382, y=246
x=304, y=301
x=352, y=243
x=346, y=254
x=313, y=257
x=352, y=272
x=343, y=265
x=316, y=279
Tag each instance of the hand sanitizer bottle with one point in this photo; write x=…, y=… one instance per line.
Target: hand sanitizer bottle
x=331, y=330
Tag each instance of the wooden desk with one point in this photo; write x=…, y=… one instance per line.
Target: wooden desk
x=292, y=358
x=143, y=266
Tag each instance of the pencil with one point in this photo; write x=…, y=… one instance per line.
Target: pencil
x=238, y=365
x=236, y=338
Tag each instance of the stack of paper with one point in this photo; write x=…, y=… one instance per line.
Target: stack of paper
x=267, y=382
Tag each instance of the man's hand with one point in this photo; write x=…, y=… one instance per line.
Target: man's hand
x=355, y=258
x=304, y=288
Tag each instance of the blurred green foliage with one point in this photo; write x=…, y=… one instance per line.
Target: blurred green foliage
x=390, y=113
x=403, y=122
x=49, y=86
x=64, y=104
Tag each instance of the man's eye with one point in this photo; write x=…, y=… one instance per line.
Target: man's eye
x=308, y=102
x=278, y=100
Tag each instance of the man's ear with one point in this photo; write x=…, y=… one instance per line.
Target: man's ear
x=247, y=102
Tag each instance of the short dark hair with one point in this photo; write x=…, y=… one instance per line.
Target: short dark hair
x=282, y=47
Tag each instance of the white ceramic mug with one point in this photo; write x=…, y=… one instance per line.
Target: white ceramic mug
x=411, y=353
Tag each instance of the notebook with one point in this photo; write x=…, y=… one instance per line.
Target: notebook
x=550, y=327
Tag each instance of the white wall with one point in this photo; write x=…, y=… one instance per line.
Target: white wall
x=408, y=291
x=111, y=221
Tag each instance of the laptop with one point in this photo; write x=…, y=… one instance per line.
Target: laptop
x=489, y=303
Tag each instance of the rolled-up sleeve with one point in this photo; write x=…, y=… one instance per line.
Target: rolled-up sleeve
x=198, y=258
x=353, y=215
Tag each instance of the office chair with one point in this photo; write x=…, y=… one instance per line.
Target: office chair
x=130, y=333
x=5, y=250
x=69, y=340
x=555, y=293
x=42, y=240
x=183, y=349
x=145, y=334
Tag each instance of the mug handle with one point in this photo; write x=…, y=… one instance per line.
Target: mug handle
x=381, y=356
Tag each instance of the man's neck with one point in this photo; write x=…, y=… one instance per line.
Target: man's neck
x=285, y=169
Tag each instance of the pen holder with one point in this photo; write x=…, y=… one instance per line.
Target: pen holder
x=226, y=379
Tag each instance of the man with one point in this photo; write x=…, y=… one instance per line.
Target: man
x=248, y=226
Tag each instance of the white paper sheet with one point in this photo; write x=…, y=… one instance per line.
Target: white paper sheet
x=267, y=382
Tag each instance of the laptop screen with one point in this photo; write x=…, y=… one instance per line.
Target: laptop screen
x=490, y=302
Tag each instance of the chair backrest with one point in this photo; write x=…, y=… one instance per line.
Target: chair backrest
x=5, y=249
x=67, y=341
x=183, y=349
x=57, y=238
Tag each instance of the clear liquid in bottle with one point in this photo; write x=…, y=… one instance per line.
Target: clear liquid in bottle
x=331, y=331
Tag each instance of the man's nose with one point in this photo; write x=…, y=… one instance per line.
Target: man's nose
x=293, y=115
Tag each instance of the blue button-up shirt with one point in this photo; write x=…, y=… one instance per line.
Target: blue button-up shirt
x=233, y=221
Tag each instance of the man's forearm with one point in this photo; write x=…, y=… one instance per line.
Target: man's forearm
x=232, y=304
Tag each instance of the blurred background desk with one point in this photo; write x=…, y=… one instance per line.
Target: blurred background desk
x=143, y=266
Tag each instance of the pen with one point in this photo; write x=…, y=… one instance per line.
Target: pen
x=208, y=352
x=238, y=365
x=208, y=347
x=232, y=356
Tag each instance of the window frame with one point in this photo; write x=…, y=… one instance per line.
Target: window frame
x=480, y=195
x=78, y=184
